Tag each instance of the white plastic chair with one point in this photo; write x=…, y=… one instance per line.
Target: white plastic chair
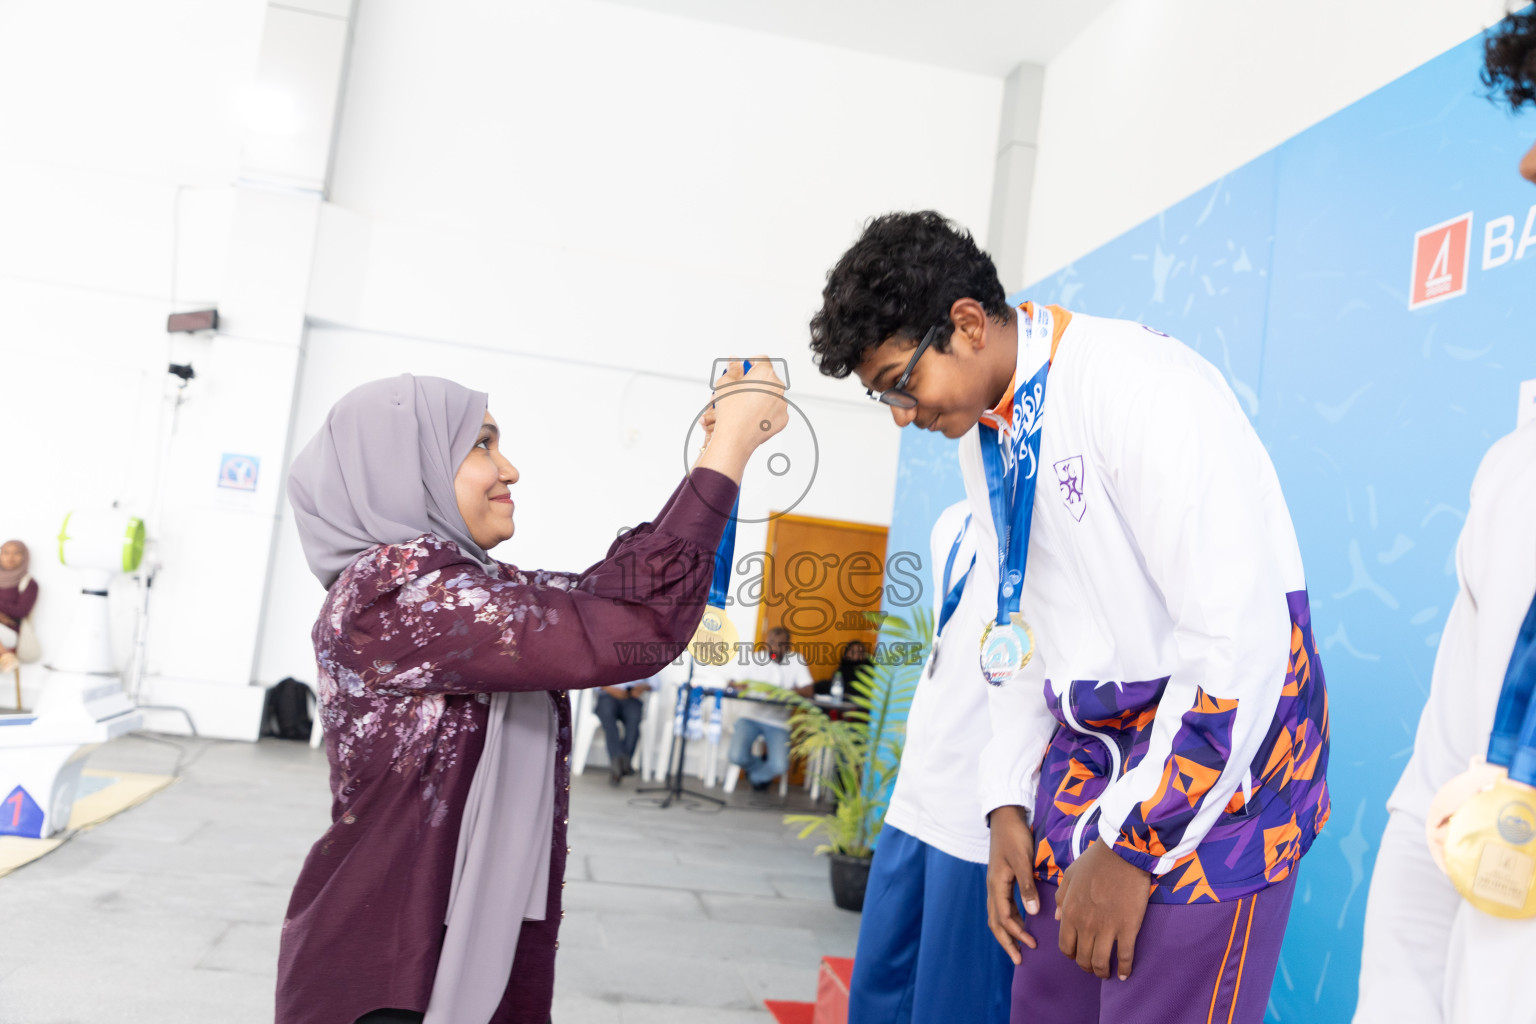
x=733, y=774
x=715, y=746
x=655, y=731
x=316, y=730
x=813, y=769
x=733, y=770
x=584, y=726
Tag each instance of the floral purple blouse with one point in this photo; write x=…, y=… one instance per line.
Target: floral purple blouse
x=411, y=640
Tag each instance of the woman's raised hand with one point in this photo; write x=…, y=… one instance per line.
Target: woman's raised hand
x=749, y=408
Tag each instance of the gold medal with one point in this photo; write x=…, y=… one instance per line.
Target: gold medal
x=714, y=642
x=1490, y=850
x=1480, y=775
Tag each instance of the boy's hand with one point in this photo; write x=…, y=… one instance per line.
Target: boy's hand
x=1100, y=904
x=1012, y=863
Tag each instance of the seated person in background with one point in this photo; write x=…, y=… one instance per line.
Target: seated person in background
x=18, y=593
x=787, y=670
x=624, y=702
x=853, y=660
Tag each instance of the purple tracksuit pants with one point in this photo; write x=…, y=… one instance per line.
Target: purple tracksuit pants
x=1203, y=963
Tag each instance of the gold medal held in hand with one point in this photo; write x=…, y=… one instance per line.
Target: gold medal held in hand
x=1490, y=850
x=714, y=642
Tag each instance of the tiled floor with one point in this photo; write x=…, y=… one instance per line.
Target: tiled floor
x=169, y=912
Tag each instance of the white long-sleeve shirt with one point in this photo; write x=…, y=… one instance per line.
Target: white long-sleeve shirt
x=1430, y=957
x=935, y=799
x=1165, y=590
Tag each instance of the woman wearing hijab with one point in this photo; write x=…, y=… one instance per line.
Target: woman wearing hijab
x=855, y=659
x=442, y=681
x=18, y=592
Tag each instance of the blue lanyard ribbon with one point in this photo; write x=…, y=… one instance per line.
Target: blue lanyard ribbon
x=1011, y=487
x=1513, y=742
x=720, y=585
x=953, y=594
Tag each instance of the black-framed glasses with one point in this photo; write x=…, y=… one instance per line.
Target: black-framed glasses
x=897, y=396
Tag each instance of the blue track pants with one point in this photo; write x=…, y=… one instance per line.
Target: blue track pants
x=925, y=955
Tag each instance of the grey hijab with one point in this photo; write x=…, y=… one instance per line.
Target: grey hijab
x=380, y=471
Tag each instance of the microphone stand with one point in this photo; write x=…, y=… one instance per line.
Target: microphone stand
x=676, y=792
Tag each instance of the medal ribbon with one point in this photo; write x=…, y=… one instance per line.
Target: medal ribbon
x=720, y=585
x=1012, y=473
x=953, y=594
x=1513, y=742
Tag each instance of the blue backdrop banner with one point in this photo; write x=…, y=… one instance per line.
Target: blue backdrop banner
x=1367, y=289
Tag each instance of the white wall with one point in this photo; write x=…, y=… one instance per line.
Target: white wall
x=122, y=136
x=577, y=207
x=523, y=167
x=1157, y=98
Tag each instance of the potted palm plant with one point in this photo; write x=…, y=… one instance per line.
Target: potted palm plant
x=858, y=753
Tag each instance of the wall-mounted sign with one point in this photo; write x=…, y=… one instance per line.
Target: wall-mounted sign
x=1441, y=255
x=239, y=472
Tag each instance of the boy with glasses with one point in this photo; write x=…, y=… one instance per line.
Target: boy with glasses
x=1159, y=740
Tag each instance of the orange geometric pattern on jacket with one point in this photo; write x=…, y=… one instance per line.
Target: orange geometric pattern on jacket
x=1281, y=758
x=1045, y=860
x=1321, y=812
x=1191, y=778
x=1132, y=720
x=1194, y=779
x=1150, y=844
x=1194, y=875
x=1299, y=675
x=1282, y=849
x=1270, y=820
x=1307, y=768
x=1300, y=669
x=1205, y=704
x=1078, y=774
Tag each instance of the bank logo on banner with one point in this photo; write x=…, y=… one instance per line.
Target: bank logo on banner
x=1441, y=257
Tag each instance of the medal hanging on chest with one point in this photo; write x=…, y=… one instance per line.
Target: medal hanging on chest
x=1011, y=456
x=1490, y=843
x=1005, y=650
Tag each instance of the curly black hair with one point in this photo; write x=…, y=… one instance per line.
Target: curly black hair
x=901, y=277
x=1509, y=59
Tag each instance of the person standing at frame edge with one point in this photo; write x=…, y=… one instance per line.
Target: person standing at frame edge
x=923, y=953
x=435, y=894
x=1430, y=956
x=1159, y=723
